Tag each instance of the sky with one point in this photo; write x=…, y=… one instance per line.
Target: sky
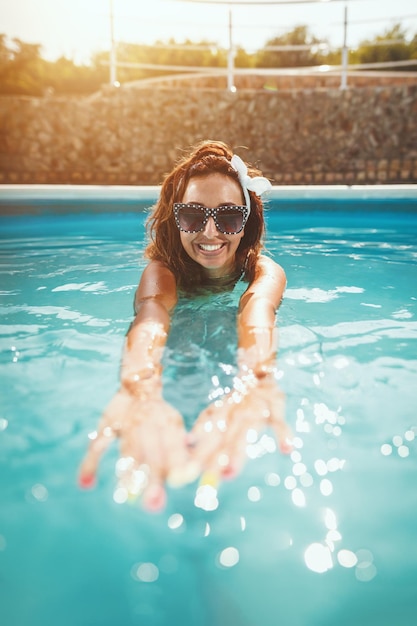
x=79, y=28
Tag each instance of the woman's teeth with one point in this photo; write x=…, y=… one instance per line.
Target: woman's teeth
x=210, y=248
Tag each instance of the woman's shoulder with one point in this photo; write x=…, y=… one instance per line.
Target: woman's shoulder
x=266, y=265
x=157, y=281
x=156, y=267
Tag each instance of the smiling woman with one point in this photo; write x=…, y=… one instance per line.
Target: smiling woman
x=202, y=238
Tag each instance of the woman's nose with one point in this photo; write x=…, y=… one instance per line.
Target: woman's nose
x=210, y=229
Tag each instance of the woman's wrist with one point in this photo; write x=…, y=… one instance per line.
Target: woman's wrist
x=143, y=381
x=249, y=378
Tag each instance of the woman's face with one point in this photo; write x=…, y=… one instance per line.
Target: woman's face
x=210, y=248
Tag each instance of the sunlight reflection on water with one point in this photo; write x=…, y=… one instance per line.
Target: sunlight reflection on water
x=342, y=502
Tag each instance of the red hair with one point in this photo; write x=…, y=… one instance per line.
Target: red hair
x=165, y=243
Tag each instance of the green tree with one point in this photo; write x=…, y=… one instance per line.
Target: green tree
x=187, y=54
x=243, y=58
x=376, y=51
x=21, y=67
x=299, y=36
x=413, y=50
x=64, y=76
x=24, y=72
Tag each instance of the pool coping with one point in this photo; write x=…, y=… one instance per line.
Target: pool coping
x=143, y=193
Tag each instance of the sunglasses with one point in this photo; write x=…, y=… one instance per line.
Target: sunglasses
x=192, y=218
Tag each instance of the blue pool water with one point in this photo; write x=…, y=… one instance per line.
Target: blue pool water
x=326, y=536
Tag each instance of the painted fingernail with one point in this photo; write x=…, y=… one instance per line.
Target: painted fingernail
x=209, y=478
x=154, y=499
x=86, y=481
x=286, y=446
x=229, y=472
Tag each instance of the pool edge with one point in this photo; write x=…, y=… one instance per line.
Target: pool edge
x=150, y=193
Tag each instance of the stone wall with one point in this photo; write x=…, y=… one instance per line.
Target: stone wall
x=132, y=136
x=289, y=79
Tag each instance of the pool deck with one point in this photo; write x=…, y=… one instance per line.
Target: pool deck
x=23, y=200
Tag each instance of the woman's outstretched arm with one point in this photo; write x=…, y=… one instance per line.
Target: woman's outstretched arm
x=151, y=432
x=257, y=332
x=256, y=401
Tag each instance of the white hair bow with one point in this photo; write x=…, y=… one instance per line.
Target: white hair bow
x=257, y=184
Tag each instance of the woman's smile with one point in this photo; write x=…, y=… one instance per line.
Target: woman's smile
x=213, y=250
x=210, y=247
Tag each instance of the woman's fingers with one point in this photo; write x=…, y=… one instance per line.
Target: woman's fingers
x=90, y=463
x=208, y=435
x=180, y=468
x=108, y=429
x=150, y=444
x=283, y=435
x=154, y=496
x=225, y=450
x=158, y=443
x=283, y=432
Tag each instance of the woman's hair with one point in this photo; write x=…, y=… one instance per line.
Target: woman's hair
x=165, y=245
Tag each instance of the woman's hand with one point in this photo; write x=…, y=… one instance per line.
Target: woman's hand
x=230, y=429
x=152, y=446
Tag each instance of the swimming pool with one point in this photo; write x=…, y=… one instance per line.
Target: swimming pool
x=326, y=536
